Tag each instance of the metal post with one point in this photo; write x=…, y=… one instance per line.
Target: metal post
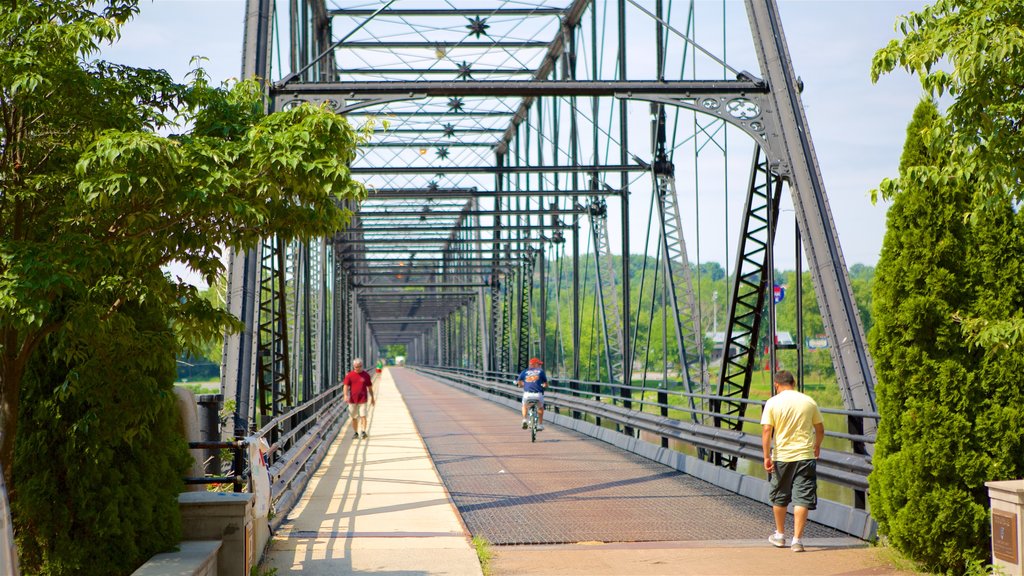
x=627, y=357
x=209, y=430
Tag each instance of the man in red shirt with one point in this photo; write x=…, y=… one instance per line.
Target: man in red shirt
x=356, y=388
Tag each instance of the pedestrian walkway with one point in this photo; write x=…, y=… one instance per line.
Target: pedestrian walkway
x=375, y=506
x=378, y=506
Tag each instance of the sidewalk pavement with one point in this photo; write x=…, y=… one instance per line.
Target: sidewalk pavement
x=375, y=506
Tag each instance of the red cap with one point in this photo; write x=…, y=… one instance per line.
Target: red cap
x=535, y=361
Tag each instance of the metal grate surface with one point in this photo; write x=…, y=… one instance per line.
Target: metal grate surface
x=566, y=487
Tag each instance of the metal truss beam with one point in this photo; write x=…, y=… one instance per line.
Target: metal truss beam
x=428, y=249
x=445, y=240
x=854, y=368
x=442, y=193
x=347, y=96
x=446, y=46
x=746, y=308
x=488, y=11
x=396, y=233
x=498, y=170
x=420, y=113
x=431, y=144
x=437, y=285
x=470, y=213
x=410, y=295
x=435, y=71
x=432, y=261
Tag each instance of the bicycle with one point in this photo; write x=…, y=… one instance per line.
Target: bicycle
x=532, y=416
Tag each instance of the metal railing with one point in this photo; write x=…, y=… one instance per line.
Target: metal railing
x=602, y=402
x=297, y=439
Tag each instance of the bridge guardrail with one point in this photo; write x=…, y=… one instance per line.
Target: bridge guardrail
x=298, y=440
x=842, y=468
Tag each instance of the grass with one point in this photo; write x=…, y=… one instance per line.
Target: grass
x=200, y=386
x=896, y=559
x=483, y=554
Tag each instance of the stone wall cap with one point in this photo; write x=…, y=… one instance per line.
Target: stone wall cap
x=1007, y=485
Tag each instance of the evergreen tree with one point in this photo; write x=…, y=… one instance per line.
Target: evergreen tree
x=942, y=402
x=100, y=459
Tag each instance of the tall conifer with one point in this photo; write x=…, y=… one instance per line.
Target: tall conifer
x=923, y=365
x=951, y=414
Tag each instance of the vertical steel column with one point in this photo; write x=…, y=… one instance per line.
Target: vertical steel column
x=569, y=72
x=747, y=305
x=437, y=342
x=627, y=355
x=542, y=329
x=237, y=367
x=799, y=295
x=854, y=367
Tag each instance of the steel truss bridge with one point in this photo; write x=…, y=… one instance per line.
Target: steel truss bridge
x=523, y=151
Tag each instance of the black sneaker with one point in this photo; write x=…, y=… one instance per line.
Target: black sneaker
x=355, y=435
x=364, y=435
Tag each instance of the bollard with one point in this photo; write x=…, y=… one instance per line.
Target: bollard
x=1006, y=499
x=209, y=430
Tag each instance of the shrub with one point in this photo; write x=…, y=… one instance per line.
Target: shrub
x=99, y=460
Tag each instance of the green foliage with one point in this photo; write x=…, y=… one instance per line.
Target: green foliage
x=972, y=51
x=94, y=200
x=483, y=553
x=100, y=457
x=653, y=351
x=948, y=411
x=396, y=350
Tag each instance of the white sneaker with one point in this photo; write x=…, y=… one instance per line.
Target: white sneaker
x=777, y=540
x=797, y=546
x=540, y=427
x=524, y=424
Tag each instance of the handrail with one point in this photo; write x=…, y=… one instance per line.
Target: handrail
x=236, y=446
x=842, y=468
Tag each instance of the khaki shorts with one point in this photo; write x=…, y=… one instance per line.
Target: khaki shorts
x=795, y=482
x=358, y=410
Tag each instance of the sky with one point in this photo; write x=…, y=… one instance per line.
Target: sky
x=857, y=127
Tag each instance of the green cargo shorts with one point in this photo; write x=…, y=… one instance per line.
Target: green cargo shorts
x=795, y=482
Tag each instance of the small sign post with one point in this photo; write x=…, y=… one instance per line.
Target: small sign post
x=1006, y=499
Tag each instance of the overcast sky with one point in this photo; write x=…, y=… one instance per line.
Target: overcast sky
x=857, y=127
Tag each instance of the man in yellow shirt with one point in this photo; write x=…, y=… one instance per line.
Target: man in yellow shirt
x=795, y=421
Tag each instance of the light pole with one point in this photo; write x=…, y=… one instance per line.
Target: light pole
x=714, y=312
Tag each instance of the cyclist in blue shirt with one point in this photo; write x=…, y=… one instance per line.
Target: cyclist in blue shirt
x=533, y=381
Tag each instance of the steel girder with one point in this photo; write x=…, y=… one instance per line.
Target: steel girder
x=795, y=154
x=608, y=304
x=746, y=308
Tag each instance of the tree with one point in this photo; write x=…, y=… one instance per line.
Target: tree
x=93, y=201
x=925, y=491
x=983, y=44
x=972, y=51
x=100, y=460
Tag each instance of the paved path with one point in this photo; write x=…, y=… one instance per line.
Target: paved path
x=375, y=506
x=568, y=487
x=378, y=506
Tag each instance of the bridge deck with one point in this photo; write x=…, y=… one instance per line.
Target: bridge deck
x=379, y=505
x=566, y=487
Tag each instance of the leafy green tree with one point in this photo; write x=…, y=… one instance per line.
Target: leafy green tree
x=921, y=492
x=396, y=350
x=972, y=51
x=99, y=461
x=93, y=201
